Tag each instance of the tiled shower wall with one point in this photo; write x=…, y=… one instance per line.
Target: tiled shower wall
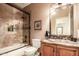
x=10, y=16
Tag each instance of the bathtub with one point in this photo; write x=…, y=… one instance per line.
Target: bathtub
x=18, y=50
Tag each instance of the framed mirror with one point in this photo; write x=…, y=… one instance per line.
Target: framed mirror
x=61, y=20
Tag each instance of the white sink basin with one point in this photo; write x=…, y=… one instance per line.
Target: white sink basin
x=55, y=40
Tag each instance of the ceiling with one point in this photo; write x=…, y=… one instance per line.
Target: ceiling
x=21, y=5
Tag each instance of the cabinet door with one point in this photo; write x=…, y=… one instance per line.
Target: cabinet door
x=47, y=50
x=66, y=51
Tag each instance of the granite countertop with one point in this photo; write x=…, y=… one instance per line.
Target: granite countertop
x=62, y=42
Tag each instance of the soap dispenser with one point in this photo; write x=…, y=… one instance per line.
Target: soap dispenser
x=46, y=35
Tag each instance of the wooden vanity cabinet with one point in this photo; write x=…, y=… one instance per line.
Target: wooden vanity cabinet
x=66, y=51
x=58, y=50
x=48, y=49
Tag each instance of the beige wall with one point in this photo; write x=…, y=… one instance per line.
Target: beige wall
x=39, y=11
x=9, y=16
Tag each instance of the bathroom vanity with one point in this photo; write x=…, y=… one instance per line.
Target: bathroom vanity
x=59, y=48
